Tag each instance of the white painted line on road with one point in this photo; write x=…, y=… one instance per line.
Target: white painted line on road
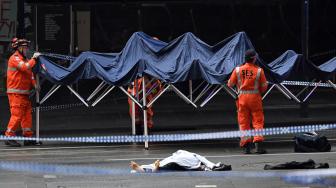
x=48, y=176
x=205, y=186
x=117, y=146
x=273, y=154
x=227, y=156
x=56, y=148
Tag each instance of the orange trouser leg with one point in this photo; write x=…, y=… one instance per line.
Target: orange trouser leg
x=244, y=120
x=150, y=114
x=258, y=119
x=26, y=122
x=16, y=104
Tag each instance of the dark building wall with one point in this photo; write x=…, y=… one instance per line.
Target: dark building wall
x=274, y=26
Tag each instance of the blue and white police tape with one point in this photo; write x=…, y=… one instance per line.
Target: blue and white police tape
x=58, y=107
x=305, y=177
x=181, y=137
x=301, y=83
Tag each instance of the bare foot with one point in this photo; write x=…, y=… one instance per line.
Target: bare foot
x=156, y=165
x=136, y=167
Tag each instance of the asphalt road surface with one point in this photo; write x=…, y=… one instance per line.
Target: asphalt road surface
x=247, y=169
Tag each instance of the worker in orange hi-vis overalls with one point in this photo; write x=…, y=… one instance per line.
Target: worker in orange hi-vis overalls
x=152, y=89
x=20, y=82
x=250, y=81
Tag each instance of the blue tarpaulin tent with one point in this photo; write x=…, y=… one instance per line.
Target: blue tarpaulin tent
x=185, y=58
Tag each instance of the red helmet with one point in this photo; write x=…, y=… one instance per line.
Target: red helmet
x=16, y=42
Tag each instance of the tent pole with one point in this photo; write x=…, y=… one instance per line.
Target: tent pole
x=130, y=96
x=305, y=88
x=290, y=93
x=304, y=46
x=77, y=95
x=158, y=96
x=211, y=95
x=107, y=91
x=149, y=91
x=199, y=86
x=206, y=88
x=190, y=90
x=144, y=111
x=51, y=92
x=148, y=84
x=180, y=94
x=311, y=92
x=332, y=84
x=268, y=91
x=230, y=91
x=133, y=108
x=37, y=93
x=282, y=91
x=100, y=87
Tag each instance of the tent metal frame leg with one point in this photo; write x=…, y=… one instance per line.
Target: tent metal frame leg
x=154, y=86
x=205, y=89
x=190, y=90
x=230, y=91
x=133, y=112
x=305, y=88
x=332, y=84
x=148, y=92
x=145, y=112
x=282, y=91
x=179, y=93
x=196, y=89
x=268, y=91
x=50, y=93
x=214, y=92
x=140, y=89
x=290, y=93
x=107, y=91
x=97, y=90
x=158, y=96
x=78, y=96
x=130, y=96
x=37, y=109
x=311, y=92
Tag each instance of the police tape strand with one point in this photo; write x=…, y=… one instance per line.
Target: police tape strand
x=58, y=107
x=302, y=83
x=303, y=177
x=181, y=137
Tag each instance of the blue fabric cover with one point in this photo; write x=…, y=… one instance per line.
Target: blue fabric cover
x=187, y=57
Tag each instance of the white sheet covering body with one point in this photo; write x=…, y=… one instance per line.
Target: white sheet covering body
x=185, y=159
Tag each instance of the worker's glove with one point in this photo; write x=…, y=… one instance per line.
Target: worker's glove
x=36, y=55
x=154, y=91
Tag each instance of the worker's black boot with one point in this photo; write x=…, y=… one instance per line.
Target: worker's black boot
x=247, y=148
x=12, y=143
x=31, y=143
x=259, y=148
x=222, y=167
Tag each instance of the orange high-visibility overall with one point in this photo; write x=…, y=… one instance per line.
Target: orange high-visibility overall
x=20, y=82
x=250, y=81
x=155, y=88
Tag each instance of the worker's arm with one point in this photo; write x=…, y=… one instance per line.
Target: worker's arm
x=19, y=65
x=262, y=82
x=233, y=79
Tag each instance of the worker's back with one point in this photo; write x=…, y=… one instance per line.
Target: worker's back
x=250, y=77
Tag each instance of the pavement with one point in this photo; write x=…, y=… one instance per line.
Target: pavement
x=116, y=157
